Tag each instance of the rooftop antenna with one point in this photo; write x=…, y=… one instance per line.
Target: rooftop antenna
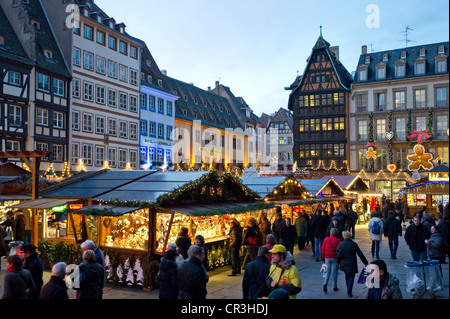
x=407, y=29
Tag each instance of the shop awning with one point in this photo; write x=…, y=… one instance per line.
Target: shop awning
x=105, y=210
x=430, y=187
x=42, y=203
x=220, y=209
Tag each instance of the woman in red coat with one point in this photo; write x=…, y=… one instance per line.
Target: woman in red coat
x=329, y=248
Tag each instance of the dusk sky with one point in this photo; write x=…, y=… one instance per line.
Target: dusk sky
x=256, y=47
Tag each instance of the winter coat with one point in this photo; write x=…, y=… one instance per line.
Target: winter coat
x=340, y=228
x=327, y=248
x=264, y=230
x=389, y=289
x=250, y=232
x=16, y=283
x=3, y=249
x=347, y=251
x=192, y=279
x=276, y=227
x=253, y=283
x=352, y=217
x=392, y=227
x=435, y=247
x=288, y=236
x=415, y=237
x=443, y=226
x=183, y=243
x=377, y=237
x=269, y=247
x=286, y=276
x=19, y=229
x=235, y=236
x=91, y=277
x=319, y=226
x=301, y=226
x=55, y=289
x=36, y=268
x=167, y=278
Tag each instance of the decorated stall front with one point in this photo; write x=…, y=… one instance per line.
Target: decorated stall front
x=426, y=193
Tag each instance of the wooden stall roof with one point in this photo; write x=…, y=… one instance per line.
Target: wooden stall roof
x=42, y=203
x=105, y=210
x=429, y=187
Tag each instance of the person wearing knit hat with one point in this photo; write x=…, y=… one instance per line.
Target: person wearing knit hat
x=283, y=273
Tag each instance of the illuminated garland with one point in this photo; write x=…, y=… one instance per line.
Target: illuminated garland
x=210, y=188
x=389, y=140
x=409, y=126
x=442, y=183
x=371, y=140
x=237, y=210
x=290, y=186
x=430, y=123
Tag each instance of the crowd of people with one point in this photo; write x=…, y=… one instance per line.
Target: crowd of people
x=261, y=250
x=25, y=271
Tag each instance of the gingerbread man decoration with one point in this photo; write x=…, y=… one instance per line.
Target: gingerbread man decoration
x=371, y=153
x=420, y=159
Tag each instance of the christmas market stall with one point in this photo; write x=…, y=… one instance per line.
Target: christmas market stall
x=426, y=193
x=58, y=208
x=15, y=188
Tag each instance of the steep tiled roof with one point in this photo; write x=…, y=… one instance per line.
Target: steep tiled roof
x=12, y=49
x=45, y=39
x=149, y=67
x=192, y=101
x=412, y=53
x=283, y=115
x=344, y=77
x=265, y=119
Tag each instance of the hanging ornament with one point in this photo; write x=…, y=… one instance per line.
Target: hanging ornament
x=389, y=135
x=392, y=168
x=371, y=153
x=420, y=159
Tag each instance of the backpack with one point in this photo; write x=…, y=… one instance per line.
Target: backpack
x=376, y=229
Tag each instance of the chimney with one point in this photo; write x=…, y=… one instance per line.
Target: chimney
x=335, y=50
x=364, y=49
x=209, y=88
x=164, y=72
x=217, y=84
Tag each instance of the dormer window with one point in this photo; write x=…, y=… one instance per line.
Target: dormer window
x=419, y=68
x=367, y=60
x=160, y=83
x=36, y=24
x=422, y=53
x=363, y=73
x=196, y=100
x=380, y=71
x=205, y=103
x=441, y=65
x=385, y=57
x=403, y=55
x=400, y=70
x=195, y=114
x=441, y=49
x=149, y=63
x=185, y=97
x=48, y=54
x=99, y=19
x=111, y=24
x=184, y=112
x=205, y=117
x=149, y=79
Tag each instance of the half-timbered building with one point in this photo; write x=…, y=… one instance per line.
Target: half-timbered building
x=319, y=102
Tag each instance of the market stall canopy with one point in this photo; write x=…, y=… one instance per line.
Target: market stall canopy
x=105, y=210
x=349, y=182
x=95, y=184
x=322, y=187
x=429, y=187
x=150, y=187
x=262, y=185
x=41, y=203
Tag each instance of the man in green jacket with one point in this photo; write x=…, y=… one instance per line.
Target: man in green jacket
x=301, y=225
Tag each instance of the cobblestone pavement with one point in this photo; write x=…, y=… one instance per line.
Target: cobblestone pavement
x=220, y=286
